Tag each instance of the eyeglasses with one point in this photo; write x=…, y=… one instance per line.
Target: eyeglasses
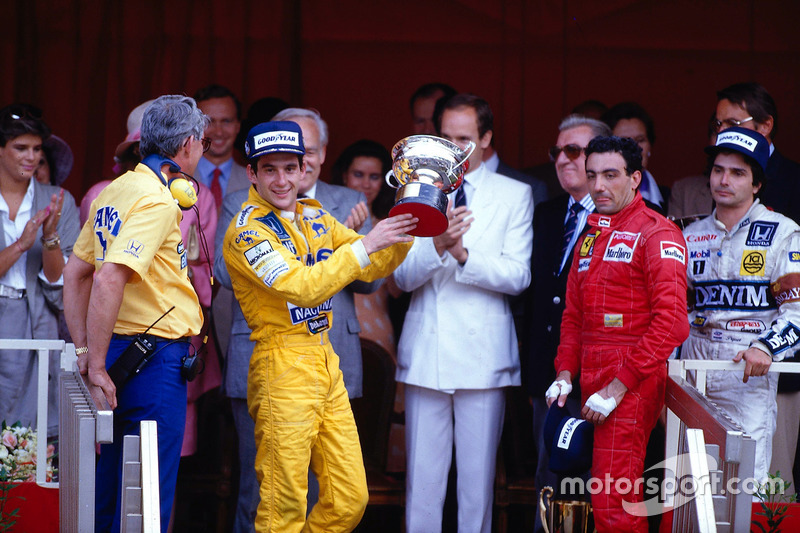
x=206, y=143
x=572, y=151
x=730, y=123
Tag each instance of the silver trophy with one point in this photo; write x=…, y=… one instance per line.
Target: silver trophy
x=424, y=170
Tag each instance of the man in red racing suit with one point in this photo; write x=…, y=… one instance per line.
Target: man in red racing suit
x=625, y=314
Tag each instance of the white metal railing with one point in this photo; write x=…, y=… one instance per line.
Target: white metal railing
x=84, y=422
x=42, y=349
x=85, y=419
x=141, y=510
x=689, y=409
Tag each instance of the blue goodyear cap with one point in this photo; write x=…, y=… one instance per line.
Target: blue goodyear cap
x=747, y=142
x=569, y=441
x=275, y=136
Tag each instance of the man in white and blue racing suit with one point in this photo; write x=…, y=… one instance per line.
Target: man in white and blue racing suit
x=744, y=282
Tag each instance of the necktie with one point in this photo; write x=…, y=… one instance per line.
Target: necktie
x=570, y=227
x=461, y=196
x=216, y=187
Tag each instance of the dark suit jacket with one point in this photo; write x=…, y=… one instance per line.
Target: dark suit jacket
x=782, y=190
x=782, y=193
x=546, y=298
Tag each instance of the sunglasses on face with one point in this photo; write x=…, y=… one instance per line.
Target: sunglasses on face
x=572, y=151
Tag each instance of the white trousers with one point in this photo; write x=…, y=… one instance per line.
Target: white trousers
x=433, y=419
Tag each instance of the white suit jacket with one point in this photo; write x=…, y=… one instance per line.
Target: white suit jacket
x=459, y=331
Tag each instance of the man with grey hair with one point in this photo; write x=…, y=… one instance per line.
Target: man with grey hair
x=557, y=224
x=129, y=302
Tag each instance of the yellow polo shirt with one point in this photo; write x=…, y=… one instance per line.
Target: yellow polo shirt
x=135, y=222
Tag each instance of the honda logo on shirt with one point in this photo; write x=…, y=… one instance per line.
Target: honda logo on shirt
x=761, y=233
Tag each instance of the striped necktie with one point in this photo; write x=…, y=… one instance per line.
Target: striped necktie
x=570, y=227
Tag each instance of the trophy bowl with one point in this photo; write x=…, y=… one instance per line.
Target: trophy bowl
x=424, y=169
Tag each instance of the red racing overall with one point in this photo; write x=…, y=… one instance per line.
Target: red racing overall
x=625, y=313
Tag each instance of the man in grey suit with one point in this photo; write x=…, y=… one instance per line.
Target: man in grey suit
x=347, y=206
x=218, y=171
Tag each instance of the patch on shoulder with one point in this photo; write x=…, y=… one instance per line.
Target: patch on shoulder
x=244, y=215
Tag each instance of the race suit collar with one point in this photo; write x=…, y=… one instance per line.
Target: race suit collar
x=300, y=205
x=754, y=213
x=598, y=220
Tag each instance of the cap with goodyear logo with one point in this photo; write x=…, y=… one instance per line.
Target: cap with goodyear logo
x=569, y=441
x=747, y=142
x=276, y=136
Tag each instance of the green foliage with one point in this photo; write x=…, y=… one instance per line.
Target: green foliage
x=8, y=518
x=774, y=503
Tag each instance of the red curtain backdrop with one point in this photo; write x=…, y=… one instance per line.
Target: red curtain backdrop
x=87, y=63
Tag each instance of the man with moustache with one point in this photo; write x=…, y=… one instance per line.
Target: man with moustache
x=744, y=274
x=749, y=105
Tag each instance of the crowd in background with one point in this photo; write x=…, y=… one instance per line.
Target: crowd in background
x=41, y=221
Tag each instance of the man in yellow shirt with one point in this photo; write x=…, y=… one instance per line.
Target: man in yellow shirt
x=286, y=259
x=129, y=268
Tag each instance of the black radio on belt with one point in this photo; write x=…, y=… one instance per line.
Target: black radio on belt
x=135, y=356
x=132, y=360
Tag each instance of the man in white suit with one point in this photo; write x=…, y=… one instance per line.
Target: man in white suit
x=458, y=350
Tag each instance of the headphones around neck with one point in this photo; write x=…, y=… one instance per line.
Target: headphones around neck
x=181, y=188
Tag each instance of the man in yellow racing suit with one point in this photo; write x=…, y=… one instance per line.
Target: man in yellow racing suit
x=286, y=259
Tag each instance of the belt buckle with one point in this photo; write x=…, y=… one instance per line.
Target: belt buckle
x=11, y=292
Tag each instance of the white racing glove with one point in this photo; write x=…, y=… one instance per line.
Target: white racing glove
x=604, y=406
x=558, y=388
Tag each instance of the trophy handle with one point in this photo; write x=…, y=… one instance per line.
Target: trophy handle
x=543, y=506
x=469, y=149
x=388, y=178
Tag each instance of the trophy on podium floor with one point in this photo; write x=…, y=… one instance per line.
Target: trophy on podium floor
x=426, y=168
x=565, y=516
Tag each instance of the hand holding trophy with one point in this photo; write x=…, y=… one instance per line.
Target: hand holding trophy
x=425, y=169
